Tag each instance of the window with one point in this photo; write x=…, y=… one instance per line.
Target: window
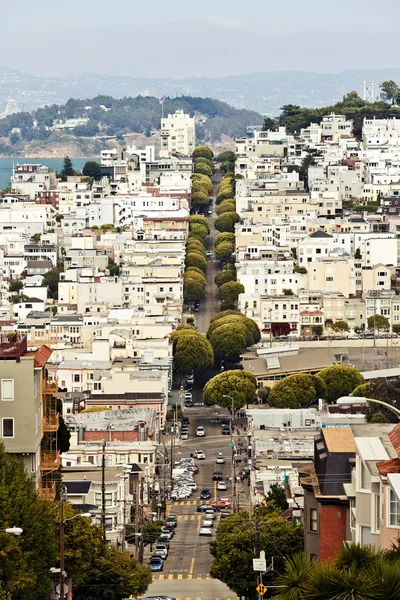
x=313, y=519
x=77, y=378
x=7, y=390
x=394, y=510
x=7, y=428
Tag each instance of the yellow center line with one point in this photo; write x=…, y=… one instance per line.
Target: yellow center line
x=191, y=566
x=198, y=523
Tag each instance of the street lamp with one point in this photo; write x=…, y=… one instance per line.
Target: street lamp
x=12, y=530
x=63, y=521
x=361, y=401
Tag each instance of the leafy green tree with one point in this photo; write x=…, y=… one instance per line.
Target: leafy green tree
x=389, y=91
x=199, y=230
x=263, y=395
x=378, y=323
x=224, y=237
x=340, y=327
x=227, y=156
x=24, y=570
x=194, y=259
x=50, y=280
x=202, y=180
x=269, y=124
x=226, y=206
x=192, y=289
x=190, y=270
x=68, y=169
x=199, y=198
x=199, y=220
x=226, y=222
x=239, y=385
x=251, y=329
x=233, y=549
x=357, y=254
x=229, y=341
x=191, y=351
x=15, y=286
x=91, y=168
x=386, y=391
x=317, y=330
x=195, y=244
x=225, y=194
x=297, y=390
x=203, y=151
x=396, y=328
x=277, y=496
x=300, y=270
x=340, y=380
x=229, y=292
x=203, y=169
x=224, y=277
x=307, y=162
x=379, y=417
x=227, y=166
x=224, y=251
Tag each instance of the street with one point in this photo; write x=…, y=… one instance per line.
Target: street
x=186, y=571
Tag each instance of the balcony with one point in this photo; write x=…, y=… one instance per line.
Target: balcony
x=49, y=461
x=49, y=387
x=50, y=423
x=47, y=490
x=13, y=345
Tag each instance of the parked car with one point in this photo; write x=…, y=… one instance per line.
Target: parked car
x=156, y=563
x=161, y=552
x=202, y=507
x=172, y=520
x=210, y=513
x=200, y=431
x=184, y=435
x=209, y=253
x=162, y=547
x=204, y=531
x=188, y=403
x=199, y=454
x=207, y=523
x=168, y=529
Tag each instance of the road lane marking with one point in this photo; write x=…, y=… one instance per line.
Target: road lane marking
x=180, y=576
x=198, y=523
x=161, y=576
x=191, y=566
x=171, y=576
x=215, y=491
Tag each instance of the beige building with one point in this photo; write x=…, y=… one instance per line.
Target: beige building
x=332, y=275
x=177, y=134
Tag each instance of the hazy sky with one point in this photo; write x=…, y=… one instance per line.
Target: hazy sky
x=180, y=38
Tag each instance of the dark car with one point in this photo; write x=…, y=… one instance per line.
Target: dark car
x=224, y=514
x=225, y=430
x=164, y=539
x=202, y=507
x=172, y=521
x=205, y=494
x=217, y=476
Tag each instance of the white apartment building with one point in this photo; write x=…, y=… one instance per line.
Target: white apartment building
x=334, y=127
x=31, y=179
x=178, y=134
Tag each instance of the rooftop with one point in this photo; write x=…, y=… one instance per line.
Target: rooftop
x=339, y=439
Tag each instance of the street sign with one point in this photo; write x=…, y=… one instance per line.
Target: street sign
x=260, y=564
x=261, y=589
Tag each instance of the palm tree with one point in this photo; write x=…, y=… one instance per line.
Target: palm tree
x=295, y=578
x=356, y=556
x=327, y=582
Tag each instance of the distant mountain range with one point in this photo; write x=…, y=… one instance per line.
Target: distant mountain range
x=261, y=92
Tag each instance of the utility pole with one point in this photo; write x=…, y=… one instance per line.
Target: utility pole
x=103, y=490
x=62, y=558
x=141, y=524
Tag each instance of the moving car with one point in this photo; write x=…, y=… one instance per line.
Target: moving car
x=217, y=476
x=199, y=454
x=184, y=435
x=172, y=520
x=188, y=403
x=159, y=598
x=205, y=531
x=221, y=485
x=210, y=513
x=209, y=253
x=207, y=523
x=220, y=460
x=156, y=563
x=225, y=430
x=205, y=494
x=200, y=431
x=202, y=507
x=210, y=211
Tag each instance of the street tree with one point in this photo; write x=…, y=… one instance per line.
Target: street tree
x=226, y=222
x=340, y=327
x=229, y=341
x=91, y=168
x=194, y=259
x=192, y=289
x=224, y=251
x=203, y=169
x=204, y=151
x=199, y=230
x=191, y=351
x=357, y=254
x=50, y=280
x=225, y=194
x=226, y=206
x=194, y=270
x=386, y=391
x=200, y=198
x=203, y=181
x=237, y=384
x=252, y=331
x=201, y=160
x=199, y=220
x=195, y=245
x=233, y=548
x=224, y=277
x=224, y=237
x=378, y=323
x=227, y=156
x=340, y=380
x=317, y=330
x=296, y=391
x=229, y=292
